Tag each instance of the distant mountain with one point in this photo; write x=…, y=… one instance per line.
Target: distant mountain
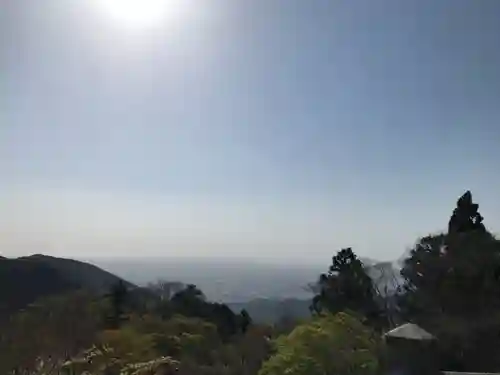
x=86, y=275
x=385, y=276
x=23, y=280
x=227, y=280
x=232, y=280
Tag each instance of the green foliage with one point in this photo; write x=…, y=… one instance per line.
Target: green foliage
x=452, y=290
x=347, y=286
x=454, y=273
x=188, y=345
x=466, y=217
x=22, y=281
x=27, y=279
x=54, y=327
x=118, y=297
x=146, y=330
x=192, y=302
x=82, y=274
x=128, y=344
x=179, y=336
x=245, y=320
x=329, y=344
x=287, y=323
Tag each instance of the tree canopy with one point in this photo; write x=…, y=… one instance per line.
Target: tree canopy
x=452, y=288
x=347, y=287
x=329, y=344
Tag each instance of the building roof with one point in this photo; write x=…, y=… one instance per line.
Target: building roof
x=410, y=331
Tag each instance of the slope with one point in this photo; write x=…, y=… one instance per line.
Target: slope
x=24, y=280
x=83, y=274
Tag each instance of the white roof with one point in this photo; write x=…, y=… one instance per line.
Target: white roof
x=410, y=331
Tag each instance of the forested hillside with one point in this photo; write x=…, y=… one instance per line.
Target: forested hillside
x=84, y=274
x=25, y=279
x=449, y=285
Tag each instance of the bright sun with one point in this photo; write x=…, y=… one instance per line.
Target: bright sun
x=139, y=13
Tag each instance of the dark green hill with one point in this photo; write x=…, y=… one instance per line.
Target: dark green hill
x=23, y=280
x=85, y=275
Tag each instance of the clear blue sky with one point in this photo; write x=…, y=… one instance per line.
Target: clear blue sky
x=259, y=129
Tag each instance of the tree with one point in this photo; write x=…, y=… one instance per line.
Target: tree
x=192, y=302
x=329, y=344
x=190, y=294
x=51, y=329
x=452, y=289
x=252, y=349
x=347, y=286
x=465, y=217
x=245, y=320
x=118, y=296
x=455, y=272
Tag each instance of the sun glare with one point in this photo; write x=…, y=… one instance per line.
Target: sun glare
x=139, y=13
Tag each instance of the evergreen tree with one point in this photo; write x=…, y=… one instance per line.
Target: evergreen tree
x=466, y=217
x=245, y=320
x=347, y=286
x=118, y=296
x=452, y=289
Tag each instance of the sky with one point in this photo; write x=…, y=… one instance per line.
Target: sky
x=278, y=130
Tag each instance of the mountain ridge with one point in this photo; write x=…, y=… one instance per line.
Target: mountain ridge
x=25, y=279
x=89, y=275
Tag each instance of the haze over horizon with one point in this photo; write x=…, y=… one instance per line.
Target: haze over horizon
x=245, y=129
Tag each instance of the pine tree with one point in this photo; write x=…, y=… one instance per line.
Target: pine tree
x=347, y=286
x=452, y=289
x=118, y=296
x=245, y=320
x=466, y=217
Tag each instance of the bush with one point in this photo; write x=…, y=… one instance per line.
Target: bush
x=329, y=344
